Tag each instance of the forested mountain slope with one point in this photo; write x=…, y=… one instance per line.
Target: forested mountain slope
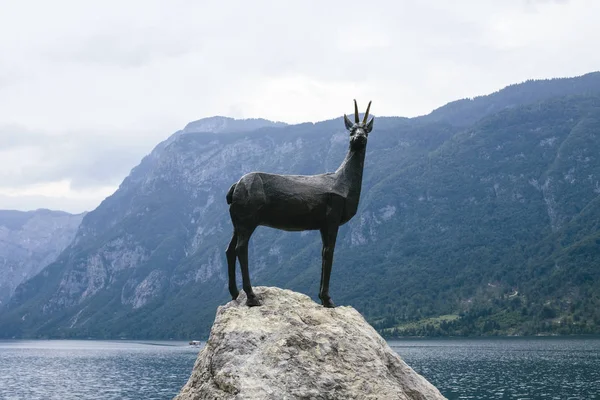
x=481, y=227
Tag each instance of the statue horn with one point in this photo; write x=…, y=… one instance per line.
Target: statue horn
x=356, y=112
x=367, y=113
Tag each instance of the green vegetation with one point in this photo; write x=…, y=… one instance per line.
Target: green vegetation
x=482, y=218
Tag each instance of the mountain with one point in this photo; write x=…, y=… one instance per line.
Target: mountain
x=481, y=218
x=499, y=221
x=229, y=125
x=29, y=241
x=465, y=112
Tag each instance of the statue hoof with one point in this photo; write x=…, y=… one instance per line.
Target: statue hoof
x=234, y=295
x=253, y=301
x=328, y=303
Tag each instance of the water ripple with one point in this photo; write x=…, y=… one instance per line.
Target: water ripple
x=524, y=369
x=515, y=369
x=93, y=370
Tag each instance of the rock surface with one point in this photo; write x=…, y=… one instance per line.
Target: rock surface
x=293, y=348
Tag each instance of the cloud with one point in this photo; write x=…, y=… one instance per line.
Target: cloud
x=86, y=89
x=86, y=159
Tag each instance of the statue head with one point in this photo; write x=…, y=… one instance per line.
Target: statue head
x=359, y=131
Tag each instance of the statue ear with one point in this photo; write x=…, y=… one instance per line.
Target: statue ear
x=349, y=124
x=369, y=126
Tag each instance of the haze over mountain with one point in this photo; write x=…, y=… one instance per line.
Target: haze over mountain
x=29, y=241
x=479, y=218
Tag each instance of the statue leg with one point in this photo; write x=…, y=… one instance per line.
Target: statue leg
x=328, y=236
x=241, y=250
x=230, y=253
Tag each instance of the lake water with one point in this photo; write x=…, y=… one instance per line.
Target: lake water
x=552, y=368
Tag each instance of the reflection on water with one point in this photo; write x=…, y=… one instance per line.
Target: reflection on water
x=531, y=369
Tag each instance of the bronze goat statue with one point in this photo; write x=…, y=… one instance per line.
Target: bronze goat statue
x=298, y=203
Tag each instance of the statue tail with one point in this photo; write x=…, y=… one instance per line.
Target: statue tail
x=229, y=196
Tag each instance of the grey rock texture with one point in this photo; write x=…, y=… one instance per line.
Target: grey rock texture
x=293, y=348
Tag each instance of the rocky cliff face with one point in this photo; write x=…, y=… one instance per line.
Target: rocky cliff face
x=451, y=220
x=292, y=348
x=157, y=244
x=29, y=241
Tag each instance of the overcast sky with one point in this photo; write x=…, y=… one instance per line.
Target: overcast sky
x=88, y=88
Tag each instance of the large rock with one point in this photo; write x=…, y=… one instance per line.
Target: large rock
x=293, y=348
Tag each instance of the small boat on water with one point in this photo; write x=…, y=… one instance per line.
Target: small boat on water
x=195, y=343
